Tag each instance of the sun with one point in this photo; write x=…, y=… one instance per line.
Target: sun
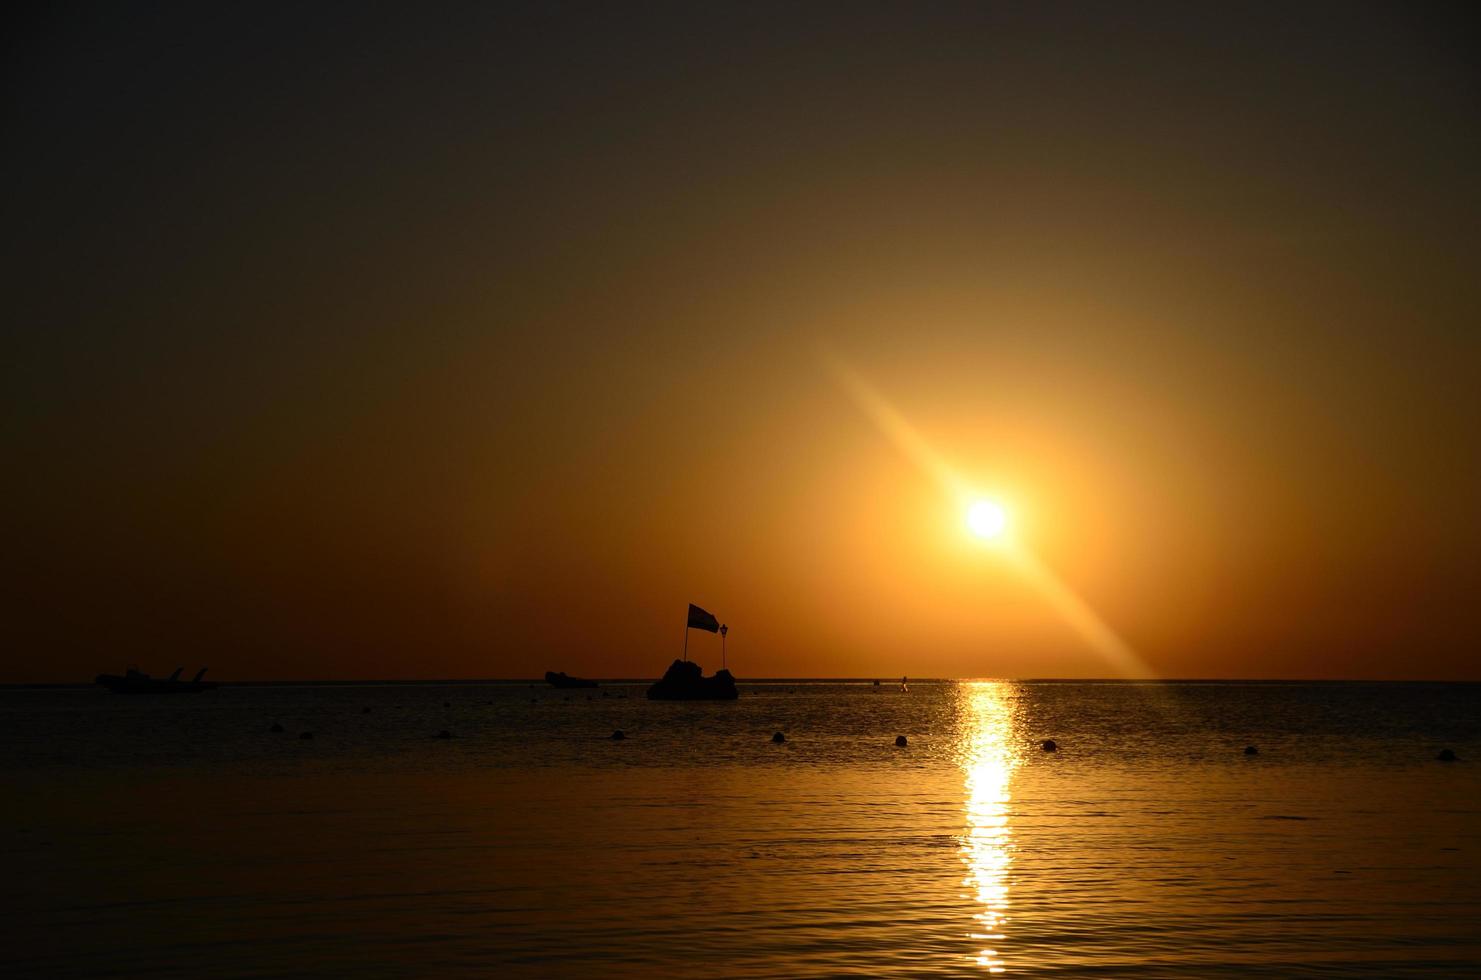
x=987, y=519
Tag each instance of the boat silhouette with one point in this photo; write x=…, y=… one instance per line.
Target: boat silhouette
x=135, y=681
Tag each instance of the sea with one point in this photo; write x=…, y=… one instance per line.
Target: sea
x=328, y=830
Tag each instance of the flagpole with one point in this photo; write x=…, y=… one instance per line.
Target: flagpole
x=686, y=638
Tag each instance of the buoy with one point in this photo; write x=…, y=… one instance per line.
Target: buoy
x=305, y=735
x=1049, y=745
x=1251, y=750
x=1446, y=755
x=778, y=738
x=901, y=741
x=618, y=735
x=365, y=711
x=276, y=728
x=443, y=734
x=447, y=704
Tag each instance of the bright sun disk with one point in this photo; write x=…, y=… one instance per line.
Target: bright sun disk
x=987, y=519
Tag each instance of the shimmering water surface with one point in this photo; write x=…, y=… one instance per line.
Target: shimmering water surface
x=180, y=836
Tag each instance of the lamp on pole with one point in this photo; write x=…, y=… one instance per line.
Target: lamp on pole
x=723, y=630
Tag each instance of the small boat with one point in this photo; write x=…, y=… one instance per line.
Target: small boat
x=560, y=679
x=135, y=681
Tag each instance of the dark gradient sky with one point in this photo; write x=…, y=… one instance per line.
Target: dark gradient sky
x=373, y=340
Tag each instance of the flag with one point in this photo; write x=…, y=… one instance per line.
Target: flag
x=701, y=620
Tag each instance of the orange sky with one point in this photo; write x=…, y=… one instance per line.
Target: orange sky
x=372, y=344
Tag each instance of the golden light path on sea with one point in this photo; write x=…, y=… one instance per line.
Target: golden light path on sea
x=987, y=841
x=1073, y=610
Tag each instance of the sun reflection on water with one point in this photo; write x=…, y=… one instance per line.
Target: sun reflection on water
x=987, y=760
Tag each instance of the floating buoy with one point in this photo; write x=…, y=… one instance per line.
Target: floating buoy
x=901, y=742
x=365, y=711
x=305, y=735
x=276, y=728
x=619, y=735
x=443, y=734
x=447, y=704
x=1446, y=755
x=1049, y=745
x=1251, y=750
x=778, y=738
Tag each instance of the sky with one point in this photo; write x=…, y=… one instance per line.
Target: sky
x=385, y=341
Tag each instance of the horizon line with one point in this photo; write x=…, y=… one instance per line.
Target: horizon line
x=540, y=681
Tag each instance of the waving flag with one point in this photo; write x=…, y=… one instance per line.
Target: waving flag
x=701, y=620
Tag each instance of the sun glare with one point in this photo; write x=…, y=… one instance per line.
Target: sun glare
x=987, y=519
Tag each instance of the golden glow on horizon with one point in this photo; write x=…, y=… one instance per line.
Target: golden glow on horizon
x=987, y=841
x=1072, y=609
x=987, y=519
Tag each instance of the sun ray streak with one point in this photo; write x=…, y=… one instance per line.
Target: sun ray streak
x=898, y=429
x=1078, y=615
x=1075, y=611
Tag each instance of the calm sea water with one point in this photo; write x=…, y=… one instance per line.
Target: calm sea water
x=179, y=836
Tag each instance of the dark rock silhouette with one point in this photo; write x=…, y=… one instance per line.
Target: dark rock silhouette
x=276, y=729
x=1251, y=750
x=684, y=681
x=1447, y=755
x=1049, y=745
x=619, y=735
x=778, y=738
x=560, y=679
x=901, y=741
